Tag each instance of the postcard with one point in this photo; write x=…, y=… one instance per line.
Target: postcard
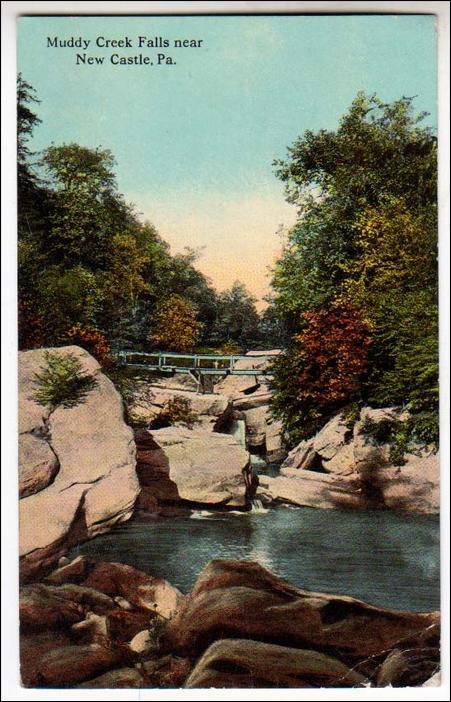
x=228, y=352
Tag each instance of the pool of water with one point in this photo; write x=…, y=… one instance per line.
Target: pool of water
x=383, y=557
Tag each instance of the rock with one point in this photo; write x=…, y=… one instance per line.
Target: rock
x=408, y=668
x=269, y=353
x=178, y=381
x=212, y=410
x=177, y=464
x=70, y=665
x=310, y=489
x=241, y=599
x=115, y=679
x=93, y=629
x=40, y=609
x=96, y=485
x=166, y=671
x=414, y=486
x=256, y=423
x=275, y=450
x=124, y=625
x=83, y=595
x=38, y=465
x=340, y=467
x=244, y=663
x=73, y=572
x=142, y=590
x=331, y=438
x=234, y=386
x=434, y=681
x=123, y=603
x=259, y=398
x=142, y=642
x=33, y=647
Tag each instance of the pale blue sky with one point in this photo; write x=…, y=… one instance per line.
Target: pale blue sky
x=194, y=142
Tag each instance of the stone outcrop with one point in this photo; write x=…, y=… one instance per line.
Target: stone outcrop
x=121, y=583
x=241, y=626
x=250, y=397
x=74, y=628
x=196, y=466
x=212, y=411
x=341, y=467
x=240, y=599
x=244, y=663
x=77, y=464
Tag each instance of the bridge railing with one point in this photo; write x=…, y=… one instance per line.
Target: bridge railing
x=162, y=360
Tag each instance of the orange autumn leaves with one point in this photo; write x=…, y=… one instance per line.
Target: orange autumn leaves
x=174, y=325
x=333, y=349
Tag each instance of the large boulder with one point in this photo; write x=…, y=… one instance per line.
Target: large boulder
x=140, y=589
x=78, y=474
x=342, y=467
x=196, y=466
x=70, y=665
x=239, y=599
x=243, y=663
x=256, y=423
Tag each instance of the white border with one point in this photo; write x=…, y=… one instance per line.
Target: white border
x=10, y=10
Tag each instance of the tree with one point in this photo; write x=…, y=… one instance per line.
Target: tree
x=87, y=209
x=27, y=180
x=237, y=317
x=174, y=325
x=323, y=369
x=367, y=224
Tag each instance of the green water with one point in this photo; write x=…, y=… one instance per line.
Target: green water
x=383, y=557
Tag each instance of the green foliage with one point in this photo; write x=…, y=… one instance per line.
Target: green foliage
x=351, y=415
x=237, y=318
x=403, y=433
x=68, y=296
x=177, y=411
x=367, y=226
x=86, y=259
x=230, y=348
x=174, y=325
x=62, y=382
x=392, y=431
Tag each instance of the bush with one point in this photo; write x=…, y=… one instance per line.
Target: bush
x=93, y=341
x=177, y=410
x=63, y=382
x=230, y=348
x=321, y=371
x=396, y=433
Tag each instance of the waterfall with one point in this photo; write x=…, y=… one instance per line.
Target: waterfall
x=257, y=506
x=238, y=431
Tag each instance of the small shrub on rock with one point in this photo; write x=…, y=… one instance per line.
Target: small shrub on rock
x=62, y=382
x=177, y=411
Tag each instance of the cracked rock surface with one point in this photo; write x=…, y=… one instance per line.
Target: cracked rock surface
x=77, y=465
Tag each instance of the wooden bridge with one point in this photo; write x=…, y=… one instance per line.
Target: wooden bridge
x=195, y=364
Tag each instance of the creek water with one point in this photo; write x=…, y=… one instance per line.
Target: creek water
x=384, y=557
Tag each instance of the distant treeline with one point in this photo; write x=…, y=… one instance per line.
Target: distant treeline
x=92, y=273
